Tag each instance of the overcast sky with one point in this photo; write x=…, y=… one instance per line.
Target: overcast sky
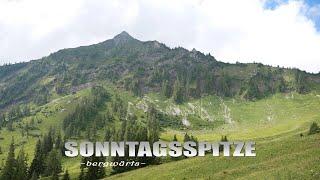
x=275, y=32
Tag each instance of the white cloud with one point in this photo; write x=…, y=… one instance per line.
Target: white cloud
x=241, y=30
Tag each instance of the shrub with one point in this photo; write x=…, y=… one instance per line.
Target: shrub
x=314, y=128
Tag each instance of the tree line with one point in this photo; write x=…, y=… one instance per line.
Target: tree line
x=46, y=161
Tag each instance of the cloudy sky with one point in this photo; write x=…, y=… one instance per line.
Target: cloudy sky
x=275, y=32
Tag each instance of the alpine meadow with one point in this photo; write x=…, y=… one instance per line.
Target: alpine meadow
x=124, y=89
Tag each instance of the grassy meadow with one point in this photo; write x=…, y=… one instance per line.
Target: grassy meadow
x=274, y=123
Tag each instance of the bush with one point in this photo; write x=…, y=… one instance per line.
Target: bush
x=314, y=128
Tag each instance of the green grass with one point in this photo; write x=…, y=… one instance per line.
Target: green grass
x=250, y=119
x=288, y=157
x=276, y=135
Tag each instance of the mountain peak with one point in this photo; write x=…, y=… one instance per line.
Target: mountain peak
x=124, y=33
x=123, y=37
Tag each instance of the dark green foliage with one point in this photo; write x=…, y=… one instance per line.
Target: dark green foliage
x=166, y=89
x=59, y=143
x=143, y=67
x=15, y=169
x=13, y=114
x=2, y=120
x=258, y=86
x=137, y=87
x=224, y=85
x=10, y=168
x=194, y=139
x=22, y=166
x=53, y=163
x=43, y=96
x=119, y=107
x=265, y=83
x=10, y=125
x=314, y=128
x=175, y=138
x=8, y=69
x=95, y=172
x=37, y=166
x=175, y=158
x=109, y=132
x=86, y=113
x=178, y=92
x=166, y=120
x=99, y=95
x=130, y=131
x=153, y=125
x=186, y=138
x=47, y=156
x=223, y=139
x=126, y=63
x=18, y=86
x=134, y=130
x=81, y=175
x=47, y=143
x=34, y=176
x=302, y=86
x=55, y=176
x=189, y=138
x=66, y=176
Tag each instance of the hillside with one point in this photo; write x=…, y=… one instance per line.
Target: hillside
x=126, y=89
x=144, y=67
x=284, y=157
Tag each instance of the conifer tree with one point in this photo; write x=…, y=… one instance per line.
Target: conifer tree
x=142, y=135
x=186, y=138
x=223, y=139
x=314, y=128
x=175, y=138
x=48, y=140
x=62, y=148
x=22, y=166
x=166, y=89
x=178, y=92
x=53, y=163
x=9, y=170
x=153, y=125
x=58, y=142
x=95, y=172
x=153, y=129
x=175, y=158
x=37, y=165
x=194, y=139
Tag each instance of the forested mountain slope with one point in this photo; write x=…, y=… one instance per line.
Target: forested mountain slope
x=124, y=89
x=143, y=67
